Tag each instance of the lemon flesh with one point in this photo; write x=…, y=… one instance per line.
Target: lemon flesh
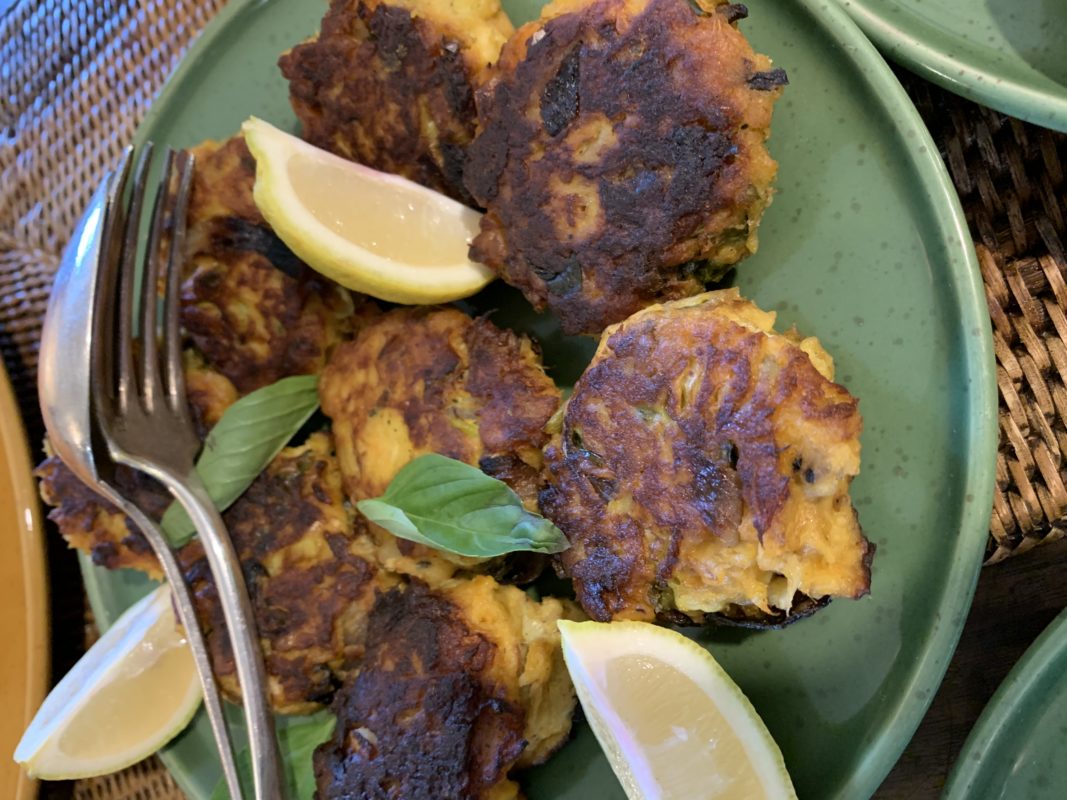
x=671, y=722
x=130, y=694
x=376, y=233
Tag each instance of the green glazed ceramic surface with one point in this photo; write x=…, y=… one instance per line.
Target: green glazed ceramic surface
x=1007, y=54
x=865, y=246
x=1018, y=748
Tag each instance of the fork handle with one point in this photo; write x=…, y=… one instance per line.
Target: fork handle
x=237, y=610
x=187, y=615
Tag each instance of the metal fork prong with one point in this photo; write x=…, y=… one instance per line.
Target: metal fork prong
x=127, y=375
x=151, y=385
x=174, y=376
x=102, y=363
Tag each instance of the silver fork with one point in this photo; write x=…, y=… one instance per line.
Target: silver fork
x=136, y=414
x=144, y=418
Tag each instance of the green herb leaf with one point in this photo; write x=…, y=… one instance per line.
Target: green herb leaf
x=249, y=435
x=297, y=739
x=453, y=506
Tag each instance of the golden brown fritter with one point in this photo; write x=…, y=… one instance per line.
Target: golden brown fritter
x=308, y=563
x=703, y=469
x=433, y=380
x=252, y=309
x=309, y=575
x=391, y=85
x=91, y=524
x=248, y=322
x=459, y=685
x=621, y=158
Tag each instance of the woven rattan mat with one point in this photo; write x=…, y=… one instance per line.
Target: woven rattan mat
x=76, y=77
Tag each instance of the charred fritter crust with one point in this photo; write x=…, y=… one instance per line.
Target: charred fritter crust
x=391, y=85
x=309, y=574
x=425, y=380
x=458, y=686
x=702, y=468
x=253, y=310
x=94, y=526
x=621, y=158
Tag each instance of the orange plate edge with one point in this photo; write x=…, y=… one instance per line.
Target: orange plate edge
x=24, y=592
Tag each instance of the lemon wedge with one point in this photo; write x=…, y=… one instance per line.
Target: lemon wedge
x=670, y=720
x=128, y=696
x=376, y=233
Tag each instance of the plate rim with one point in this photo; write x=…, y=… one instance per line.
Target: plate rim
x=30, y=537
x=977, y=475
x=1037, y=665
x=960, y=75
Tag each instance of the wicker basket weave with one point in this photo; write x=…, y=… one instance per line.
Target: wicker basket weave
x=76, y=77
x=1010, y=178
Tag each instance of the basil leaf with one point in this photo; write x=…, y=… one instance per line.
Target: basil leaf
x=249, y=435
x=297, y=739
x=444, y=503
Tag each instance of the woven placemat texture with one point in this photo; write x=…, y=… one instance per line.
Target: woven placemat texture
x=76, y=77
x=1011, y=180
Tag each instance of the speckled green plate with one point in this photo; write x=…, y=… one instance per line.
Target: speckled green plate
x=864, y=246
x=1010, y=55
x=1018, y=748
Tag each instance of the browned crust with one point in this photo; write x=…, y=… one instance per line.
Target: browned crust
x=310, y=583
x=621, y=152
x=650, y=464
x=388, y=89
x=252, y=309
x=458, y=386
x=91, y=524
x=422, y=720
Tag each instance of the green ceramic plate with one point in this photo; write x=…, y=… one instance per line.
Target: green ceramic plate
x=1018, y=748
x=866, y=247
x=1007, y=54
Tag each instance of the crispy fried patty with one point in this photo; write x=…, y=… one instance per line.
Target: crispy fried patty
x=309, y=573
x=621, y=157
x=308, y=564
x=433, y=380
x=703, y=468
x=391, y=85
x=94, y=526
x=254, y=312
x=458, y=686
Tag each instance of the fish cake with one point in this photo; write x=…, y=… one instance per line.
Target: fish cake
x=391, y=84
x=459, y=686
x=621, y=158
x=433, y=380
x=701, y=470
x=310, y=575
x=251, y=309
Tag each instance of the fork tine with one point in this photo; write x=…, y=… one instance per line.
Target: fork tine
x=174, y=376
x=151, y=384
x=127, y=376
x=102, y=362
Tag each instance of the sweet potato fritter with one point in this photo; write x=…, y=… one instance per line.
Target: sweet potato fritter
x=703, y=469
x=308, y=564
x=94, y=526
x=621, y=157
x=309, y=575
x=391, y=85
x=433, y=380
x=458, y=686
x=252, y=309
